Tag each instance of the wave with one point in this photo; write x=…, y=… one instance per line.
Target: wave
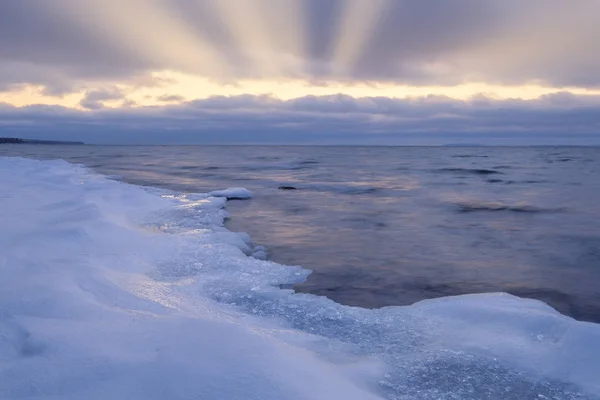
x=474, y=171
x=561, y=160
x=290, y=166
x=284, y=166
x=511, y=182
x=142, y=293
x=338, y=189
x=267, y=158
x=477, y=206
x=308, y=162
x=199, y=167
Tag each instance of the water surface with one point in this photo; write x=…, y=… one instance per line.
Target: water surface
x=386, y=226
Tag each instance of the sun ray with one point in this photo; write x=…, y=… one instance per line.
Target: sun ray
x=244, y=21
x=357, y=25
x=285, y=23
x=148, y=29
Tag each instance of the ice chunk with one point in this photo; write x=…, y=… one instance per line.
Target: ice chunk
x=260, y=255
x=234, y=239
x=232, y=194
x=260, y=252
x=245, y=237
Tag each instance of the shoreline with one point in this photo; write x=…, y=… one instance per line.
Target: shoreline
x=350, y=290
x=135, y=268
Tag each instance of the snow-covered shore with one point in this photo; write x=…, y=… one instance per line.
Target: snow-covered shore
x=110, y=290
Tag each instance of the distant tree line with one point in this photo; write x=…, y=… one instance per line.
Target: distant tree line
x=10, y=140
x=5, y=140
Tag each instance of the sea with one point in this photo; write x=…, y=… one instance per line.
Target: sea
x=388, y=226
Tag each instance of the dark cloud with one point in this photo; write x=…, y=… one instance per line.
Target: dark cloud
x=417, y=41
x=560, y=118
x=39, y=43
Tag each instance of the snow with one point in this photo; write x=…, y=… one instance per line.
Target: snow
x=260, y=252
x=232, y=194
x=109, y=290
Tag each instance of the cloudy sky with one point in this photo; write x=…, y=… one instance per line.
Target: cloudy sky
x=301, y=71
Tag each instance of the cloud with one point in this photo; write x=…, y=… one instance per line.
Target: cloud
x=69, y=43
x=94, y=100
x=555, y=119
x=40, y=44
x=171, y=98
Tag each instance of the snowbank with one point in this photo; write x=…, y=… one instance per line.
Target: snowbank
x=232, y=194
x=109, y=290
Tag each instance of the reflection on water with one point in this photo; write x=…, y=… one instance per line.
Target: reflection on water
x=390, y=226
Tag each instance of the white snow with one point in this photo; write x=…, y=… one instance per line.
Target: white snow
x=232, y=194
x=112, y=291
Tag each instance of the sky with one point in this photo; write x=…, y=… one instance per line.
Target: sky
x=384, y=72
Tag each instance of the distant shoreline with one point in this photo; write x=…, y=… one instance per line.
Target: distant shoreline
x=34, y=141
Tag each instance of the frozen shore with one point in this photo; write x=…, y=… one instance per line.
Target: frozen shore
x=109, y=290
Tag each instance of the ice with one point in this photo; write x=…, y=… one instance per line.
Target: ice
x=261, y=255
x=232, y=194
x=260, y=252
x=81, y=317
x=109, y=290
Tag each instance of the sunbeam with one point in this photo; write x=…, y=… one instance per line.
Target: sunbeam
x=286, y=21
x=147, y=28
x=356, y=26
x=182, y=50
x=245, y=20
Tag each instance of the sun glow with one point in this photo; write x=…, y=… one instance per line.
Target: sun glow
x=177, y=88
x=28, y=95
x=192, y=87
